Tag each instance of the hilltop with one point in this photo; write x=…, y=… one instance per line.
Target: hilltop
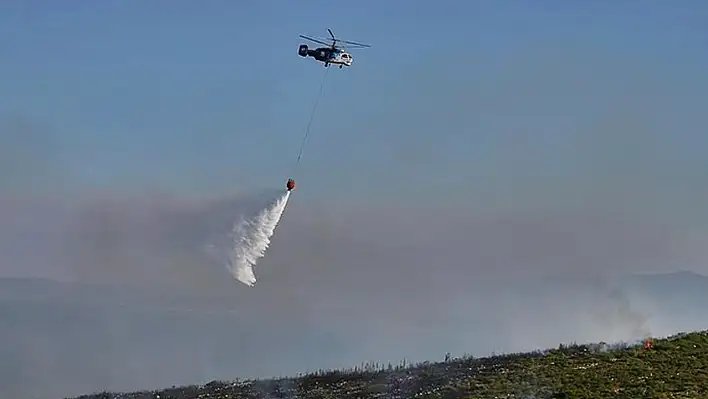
x=673, y=367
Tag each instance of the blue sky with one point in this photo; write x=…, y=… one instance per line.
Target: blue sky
x=464, y=96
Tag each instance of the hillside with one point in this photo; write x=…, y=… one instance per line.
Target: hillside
x=48, y=325
x=675, y=367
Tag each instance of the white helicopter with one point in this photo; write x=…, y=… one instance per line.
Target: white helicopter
x=330, y=55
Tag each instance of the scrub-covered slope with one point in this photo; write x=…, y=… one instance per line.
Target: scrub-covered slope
x=674, y=367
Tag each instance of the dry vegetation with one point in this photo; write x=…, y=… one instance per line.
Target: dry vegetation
x=675, y=367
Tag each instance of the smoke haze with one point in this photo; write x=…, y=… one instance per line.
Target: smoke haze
x=336, y=289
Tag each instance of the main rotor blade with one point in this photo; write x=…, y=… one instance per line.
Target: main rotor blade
x=314, y=40
x=354, y=43
x=330, y=33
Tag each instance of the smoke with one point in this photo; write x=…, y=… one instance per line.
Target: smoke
x=251, y=238
x=442, y=284
x=157, y=241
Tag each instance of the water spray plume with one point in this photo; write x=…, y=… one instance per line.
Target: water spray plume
x=251, y=238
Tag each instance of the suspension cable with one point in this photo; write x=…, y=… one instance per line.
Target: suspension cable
x=309, y=123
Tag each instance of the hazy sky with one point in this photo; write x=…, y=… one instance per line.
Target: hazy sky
x=469, y=134
x=475, y=141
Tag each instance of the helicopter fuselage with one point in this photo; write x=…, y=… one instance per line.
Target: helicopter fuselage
x=327, y=55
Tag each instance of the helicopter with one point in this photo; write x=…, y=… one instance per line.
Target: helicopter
x=332, y=54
